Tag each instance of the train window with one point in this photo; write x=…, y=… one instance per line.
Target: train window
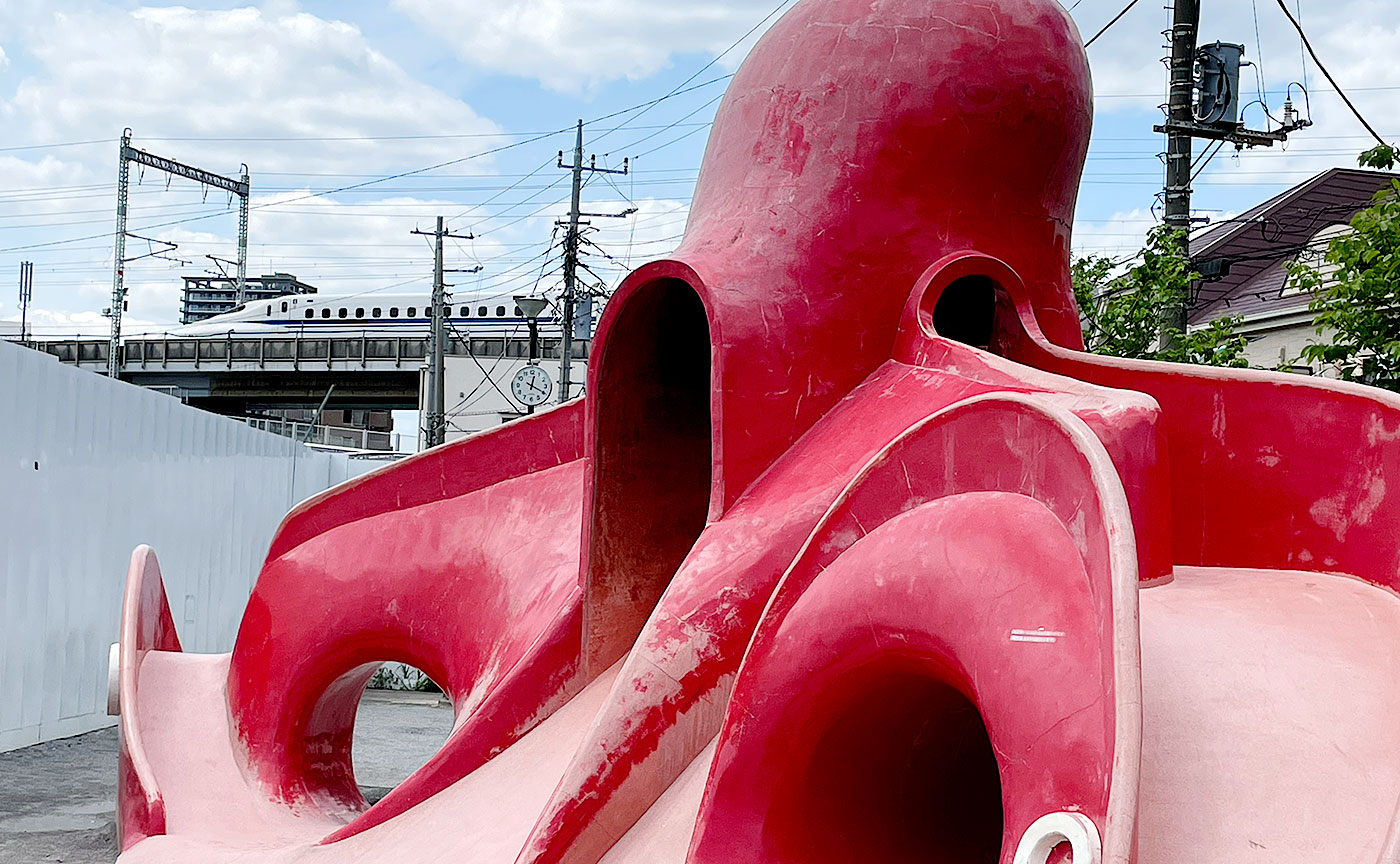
x=500, y=311
x=325, y=313
x=269, y=308
x=377, y=312
x=284, y=305
x=466, y=311
x=344, y=312
x=360, y=312
x=310, y=313
x=393, y=311
x=481, y=311
x=518, y=313
x=412, y=311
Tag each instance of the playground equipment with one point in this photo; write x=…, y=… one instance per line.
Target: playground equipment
x=850, y=553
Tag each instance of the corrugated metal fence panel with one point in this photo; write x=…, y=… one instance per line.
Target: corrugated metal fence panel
x=89, y=469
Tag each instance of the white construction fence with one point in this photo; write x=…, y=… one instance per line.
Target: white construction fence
x=89, y=469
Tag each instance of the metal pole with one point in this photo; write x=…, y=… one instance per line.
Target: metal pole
x=534, y=324
x=1186, y=16
x=243, y=240
x=437, y=348
x=119, y=257
x=571, y=273
x=26, y=293
x=296, y=448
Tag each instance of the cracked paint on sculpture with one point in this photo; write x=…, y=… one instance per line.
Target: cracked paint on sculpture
x=850, y=554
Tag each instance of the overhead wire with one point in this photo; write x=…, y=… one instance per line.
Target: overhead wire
x=1115, y=20
x=718, y=57
x=1328, y=75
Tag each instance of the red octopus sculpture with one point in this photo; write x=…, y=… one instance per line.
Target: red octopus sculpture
x=850, y=554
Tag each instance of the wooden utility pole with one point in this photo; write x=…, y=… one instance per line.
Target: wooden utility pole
x=1186, y=18
x=1215, y=117
x=571, y=262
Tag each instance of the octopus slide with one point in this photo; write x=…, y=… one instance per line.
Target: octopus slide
x=850, y=553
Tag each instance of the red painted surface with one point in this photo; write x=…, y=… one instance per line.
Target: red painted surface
x=841, y=558
x=147, y=626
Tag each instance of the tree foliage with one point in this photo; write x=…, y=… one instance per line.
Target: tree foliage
x=1122, y=314
x=1357, y=305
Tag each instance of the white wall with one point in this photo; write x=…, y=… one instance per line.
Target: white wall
x=90, y=468
x=474, y=403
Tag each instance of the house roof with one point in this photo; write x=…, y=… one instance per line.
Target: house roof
x=1261, y=241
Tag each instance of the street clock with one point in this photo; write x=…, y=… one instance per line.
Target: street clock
x=532, y=386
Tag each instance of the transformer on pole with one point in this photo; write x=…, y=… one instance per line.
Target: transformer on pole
x=1203, y=102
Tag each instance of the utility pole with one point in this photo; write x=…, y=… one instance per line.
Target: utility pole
x=125, y=156
x=435, y=402
x=1186, y=19
x=1215, y=116
x=26, y=293
x=571, y=247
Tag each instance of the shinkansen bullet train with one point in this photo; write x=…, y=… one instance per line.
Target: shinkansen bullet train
x=328, y=314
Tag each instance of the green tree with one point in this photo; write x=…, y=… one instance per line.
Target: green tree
x=1122, y=314
x=1358, y=304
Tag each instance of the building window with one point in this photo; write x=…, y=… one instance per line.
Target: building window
x=344, y=312
x=360, y=312
x=500, y=311
x=376, y=312
x=325, y=313
x=393, y=311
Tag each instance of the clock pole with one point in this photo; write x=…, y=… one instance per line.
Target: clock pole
x=532, y=307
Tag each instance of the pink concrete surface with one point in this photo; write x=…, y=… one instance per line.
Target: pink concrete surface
x=491, y=810
x=1277, y=691
x=850, y=553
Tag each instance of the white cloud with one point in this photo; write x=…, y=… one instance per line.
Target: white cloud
x=571, y=47
x=4, y=61
x=1121, y=235
x=178, y=72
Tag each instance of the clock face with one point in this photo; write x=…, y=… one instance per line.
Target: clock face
x=532, y=386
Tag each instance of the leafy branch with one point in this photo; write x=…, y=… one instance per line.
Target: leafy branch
x=1123, y=314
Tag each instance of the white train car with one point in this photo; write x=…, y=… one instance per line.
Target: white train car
x=374, y=314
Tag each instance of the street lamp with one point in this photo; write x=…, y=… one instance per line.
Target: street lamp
x=531, y=307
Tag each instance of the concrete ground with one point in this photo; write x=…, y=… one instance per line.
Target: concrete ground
x=57, y=799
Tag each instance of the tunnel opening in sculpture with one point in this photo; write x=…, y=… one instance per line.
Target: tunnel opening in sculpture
x=966, y=310
x=652, y=468
x=900, y=770
x=391, y=741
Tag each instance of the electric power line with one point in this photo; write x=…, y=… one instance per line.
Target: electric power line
x=1328, y=75
x=1130, y=5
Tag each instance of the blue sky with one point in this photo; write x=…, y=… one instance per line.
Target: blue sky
x=315, y=96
